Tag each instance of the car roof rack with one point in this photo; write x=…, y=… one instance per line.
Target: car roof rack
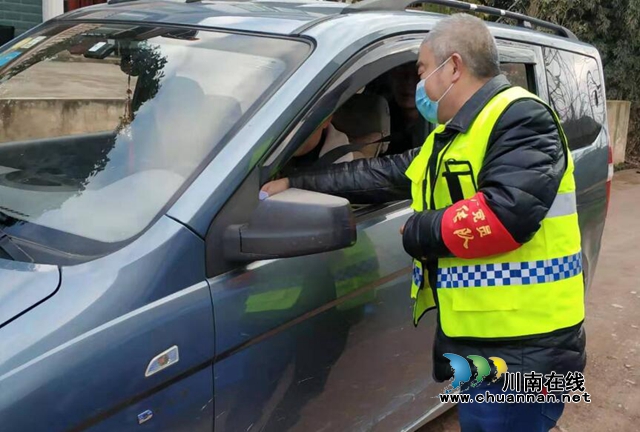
x=112, y=2
x=400, y=5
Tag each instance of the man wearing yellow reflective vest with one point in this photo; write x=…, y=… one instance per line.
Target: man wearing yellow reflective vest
x=494, y=237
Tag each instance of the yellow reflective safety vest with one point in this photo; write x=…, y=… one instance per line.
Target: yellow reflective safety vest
x=535, y=289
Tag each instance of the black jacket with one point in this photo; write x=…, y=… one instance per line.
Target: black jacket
x=522, y=170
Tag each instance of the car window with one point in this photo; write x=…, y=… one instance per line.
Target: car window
x=380, y=119
x=101, y=125
x=575, y=92
x=519, y=74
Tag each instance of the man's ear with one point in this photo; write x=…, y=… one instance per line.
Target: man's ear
x=458, y=66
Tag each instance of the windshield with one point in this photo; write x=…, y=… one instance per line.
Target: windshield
x=102, y=125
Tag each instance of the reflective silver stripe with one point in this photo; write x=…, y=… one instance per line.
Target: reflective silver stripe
x=563, y=205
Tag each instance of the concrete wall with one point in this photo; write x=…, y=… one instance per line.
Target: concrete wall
x=51, y=9
x=24, y=119
x=618, y=117
x=21, y=14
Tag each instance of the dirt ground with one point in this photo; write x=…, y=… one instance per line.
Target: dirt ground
x=613, y=326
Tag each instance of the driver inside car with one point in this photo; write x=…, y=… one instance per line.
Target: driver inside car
x=323, y=140
x=358, y=129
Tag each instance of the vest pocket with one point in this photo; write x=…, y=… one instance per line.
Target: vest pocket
x=482, y=299
x=459, y=179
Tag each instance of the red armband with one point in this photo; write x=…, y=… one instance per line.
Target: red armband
x=470, y=229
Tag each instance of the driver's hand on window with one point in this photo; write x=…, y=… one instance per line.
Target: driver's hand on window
x=274, y=187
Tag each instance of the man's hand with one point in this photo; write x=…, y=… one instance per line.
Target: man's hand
x=274, y=187
x=402, y=230
x=422, y=236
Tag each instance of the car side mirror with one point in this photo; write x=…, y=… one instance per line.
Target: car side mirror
x=289, y=224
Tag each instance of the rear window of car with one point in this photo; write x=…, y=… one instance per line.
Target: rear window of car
x=576, y=93
x=101, y=125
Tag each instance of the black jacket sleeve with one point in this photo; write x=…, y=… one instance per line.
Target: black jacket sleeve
x=520, y=177
x=363, y=181
x=523, y=167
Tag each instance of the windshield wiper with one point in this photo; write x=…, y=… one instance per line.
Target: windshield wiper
x=9, y=246
x=12, y=249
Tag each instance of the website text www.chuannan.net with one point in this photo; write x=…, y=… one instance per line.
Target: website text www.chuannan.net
x=489, y=397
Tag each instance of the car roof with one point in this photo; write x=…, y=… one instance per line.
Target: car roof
x=281, y=17
x=315, y=18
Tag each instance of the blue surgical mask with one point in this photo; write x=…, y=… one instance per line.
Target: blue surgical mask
x=427, y=107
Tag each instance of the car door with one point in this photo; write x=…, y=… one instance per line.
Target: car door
x=576, y=91
x=323, y=342
x=571, y=83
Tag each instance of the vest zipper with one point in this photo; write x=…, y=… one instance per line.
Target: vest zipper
x=433, y=160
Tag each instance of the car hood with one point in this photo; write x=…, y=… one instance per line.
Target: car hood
x=23, y=286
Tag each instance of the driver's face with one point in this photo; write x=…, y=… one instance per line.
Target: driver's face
x=403, y=85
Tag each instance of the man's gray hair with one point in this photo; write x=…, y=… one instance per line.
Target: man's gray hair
x=468, y=36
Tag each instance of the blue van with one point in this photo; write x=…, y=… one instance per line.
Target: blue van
x=143, y=283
